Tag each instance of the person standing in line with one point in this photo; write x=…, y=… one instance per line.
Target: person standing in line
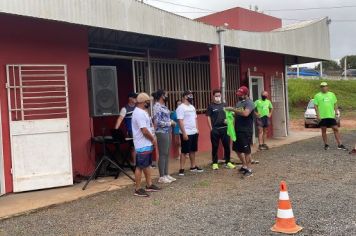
x=163, y=124
x=244, y=129
x=126, y=116
x=326, y=108
x=144, y=141
x=188, y=123
x=176, y=130
x=218, y=130
x=263, y=113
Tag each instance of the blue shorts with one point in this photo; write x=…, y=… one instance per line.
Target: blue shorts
x=144, y=157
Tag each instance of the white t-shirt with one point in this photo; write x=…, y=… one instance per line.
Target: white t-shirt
x=188, y=114
x=141, y=119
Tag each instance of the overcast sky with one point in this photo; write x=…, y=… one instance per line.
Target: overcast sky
x=343, y=34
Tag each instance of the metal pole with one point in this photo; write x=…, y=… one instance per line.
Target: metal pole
x=298, y=71
x=321, y=69
x=222, y=63
x=345, y=68
x=286, y=98
x=149, y=78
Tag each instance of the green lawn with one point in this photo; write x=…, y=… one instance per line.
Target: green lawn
x=301, y=91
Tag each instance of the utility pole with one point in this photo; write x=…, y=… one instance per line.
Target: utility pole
x=298, y=71
x=321, y=69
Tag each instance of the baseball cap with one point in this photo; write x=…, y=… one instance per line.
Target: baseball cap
x=322, y=84
x=242, y=91
x=132, y=95
x=187, y=92
x=143, y=97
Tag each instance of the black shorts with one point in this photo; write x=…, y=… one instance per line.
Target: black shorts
x=263, y=122
x=243, y=142
x=190, y=145
x=328, y=122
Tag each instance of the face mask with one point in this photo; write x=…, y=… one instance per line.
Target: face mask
x=190, y=98
x=217, y=99
x=147, y=105
x=241, y=98
x=165, y=98
x=264, y=98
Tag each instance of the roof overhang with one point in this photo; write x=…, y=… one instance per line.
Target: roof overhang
x=310, y=40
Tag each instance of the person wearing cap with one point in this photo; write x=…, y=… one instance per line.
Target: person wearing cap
x=244, y=129
x=144, y=140
x=126, y=116
x=263, y=113
x=326, y=108
x=188, y=124
x=163, y=128
x=218, y=130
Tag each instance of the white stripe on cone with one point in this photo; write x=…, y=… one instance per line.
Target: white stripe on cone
x=283, y=195
x=285, y=214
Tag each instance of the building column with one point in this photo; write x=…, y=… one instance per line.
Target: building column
x=215, y=80
x=215, y=77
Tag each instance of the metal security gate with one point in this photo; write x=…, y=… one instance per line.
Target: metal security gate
x=174, y=76
x=232, y=83
x=2, y=172
x=279, y=107
x=39, y=126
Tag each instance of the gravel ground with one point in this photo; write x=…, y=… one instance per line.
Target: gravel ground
x=322, y=187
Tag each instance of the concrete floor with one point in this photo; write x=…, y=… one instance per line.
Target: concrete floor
x=21, y=203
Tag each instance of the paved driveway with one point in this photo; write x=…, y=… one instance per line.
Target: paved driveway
x=322, y=186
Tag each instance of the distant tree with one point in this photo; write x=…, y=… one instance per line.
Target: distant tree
x=351, y=62
x=329, y=66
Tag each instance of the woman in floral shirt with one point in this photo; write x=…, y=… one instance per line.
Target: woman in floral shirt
x=163, y=124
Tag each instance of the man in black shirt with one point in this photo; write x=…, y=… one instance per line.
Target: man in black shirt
x=244, y=129
x=218, y=130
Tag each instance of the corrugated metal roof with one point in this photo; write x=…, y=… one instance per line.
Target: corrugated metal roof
x=136, y=17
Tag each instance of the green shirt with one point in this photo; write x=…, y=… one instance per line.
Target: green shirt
x=326, y=104
x=263, y=107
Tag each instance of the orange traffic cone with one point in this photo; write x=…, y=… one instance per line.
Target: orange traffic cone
x=285, y=222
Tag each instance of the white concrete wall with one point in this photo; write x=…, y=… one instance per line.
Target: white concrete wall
x=132, y=16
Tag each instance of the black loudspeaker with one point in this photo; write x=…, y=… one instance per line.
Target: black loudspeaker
x=103, y=91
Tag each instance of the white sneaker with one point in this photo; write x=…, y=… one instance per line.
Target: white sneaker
x=170, y=178
x=164, y=180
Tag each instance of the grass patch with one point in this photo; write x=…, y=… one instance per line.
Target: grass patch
x=156, y=202
x=203, y=183
x=300, y=91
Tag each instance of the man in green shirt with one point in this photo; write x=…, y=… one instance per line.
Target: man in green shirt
x=263, y=113
x=326, y=107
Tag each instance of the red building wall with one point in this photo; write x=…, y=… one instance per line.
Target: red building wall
x=266, y=64
x=26, y=40
x=243, y=19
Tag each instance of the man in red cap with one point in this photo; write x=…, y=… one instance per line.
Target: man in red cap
x=244, y=129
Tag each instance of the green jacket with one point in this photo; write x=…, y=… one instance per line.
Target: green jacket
x=230, y=118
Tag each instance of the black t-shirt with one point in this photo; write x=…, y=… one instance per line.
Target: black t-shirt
x=217, y=114
x=242, y=123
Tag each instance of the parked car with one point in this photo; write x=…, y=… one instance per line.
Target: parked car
x=350, y=72
x=310, y=118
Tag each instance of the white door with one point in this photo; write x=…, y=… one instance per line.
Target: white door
x=279, y=107
x=2, y=174
x=256, y=87
x=39, y=126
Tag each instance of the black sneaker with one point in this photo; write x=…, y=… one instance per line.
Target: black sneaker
x=265, y=146
x=326, y=147
x=260, y=147
x=181, y=172
x=342, y=147
x=248, y=173
x=243, y=170
x=353, y=151
x=196, y=169
x=141, y=193
x=153, y=188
